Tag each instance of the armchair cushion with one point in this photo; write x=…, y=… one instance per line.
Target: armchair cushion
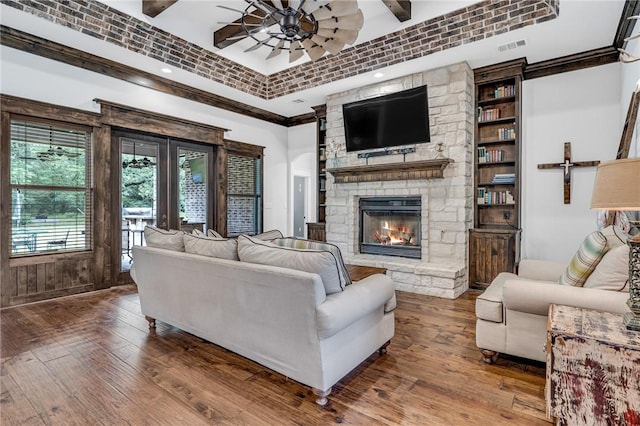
x=612, y=273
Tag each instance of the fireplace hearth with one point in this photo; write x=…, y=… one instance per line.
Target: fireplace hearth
x=390, y=226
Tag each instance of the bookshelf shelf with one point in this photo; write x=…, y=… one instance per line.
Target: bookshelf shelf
x=495, y=101
x=494, y=240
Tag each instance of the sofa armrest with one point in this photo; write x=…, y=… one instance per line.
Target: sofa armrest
x=541, y=270
x=339, y=310
x=535, y=297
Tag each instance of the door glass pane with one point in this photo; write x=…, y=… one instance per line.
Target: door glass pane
x=192, y=189
x=139, y=193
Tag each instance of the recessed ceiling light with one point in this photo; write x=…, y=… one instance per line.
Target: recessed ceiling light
x=166, y=70
x=378, y=75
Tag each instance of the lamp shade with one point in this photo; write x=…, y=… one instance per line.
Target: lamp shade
x=617, y=185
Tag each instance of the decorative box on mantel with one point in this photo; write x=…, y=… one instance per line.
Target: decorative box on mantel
x=593, y=368
x=409, y=170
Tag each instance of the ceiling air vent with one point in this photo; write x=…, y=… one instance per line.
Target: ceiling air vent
x=512, y=45
x=298, y=101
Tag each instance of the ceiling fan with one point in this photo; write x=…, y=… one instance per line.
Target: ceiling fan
x=137, y=164
x=51, y=154
x=313, y=26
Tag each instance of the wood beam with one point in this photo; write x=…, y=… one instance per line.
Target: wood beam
x=154, y=8
x=625, y=26
x=590, y=58
x=400, y=8
x=20, y=40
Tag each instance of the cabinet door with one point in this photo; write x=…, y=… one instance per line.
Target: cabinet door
x=489, y=254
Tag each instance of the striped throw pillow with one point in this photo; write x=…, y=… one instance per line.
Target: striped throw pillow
x=302, y=244
x=589, y=254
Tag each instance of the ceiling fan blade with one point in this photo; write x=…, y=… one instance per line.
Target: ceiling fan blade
x=345, y=36
x=276, y=50
x=312, y=5
x=277, y=4
x=295, y=51
x=330, y=45
x=314, y=51
x=267, y=8
x=350, y=22
x=257, y=45
x=336, y=8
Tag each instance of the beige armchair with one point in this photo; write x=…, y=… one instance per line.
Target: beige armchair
x=512, y=312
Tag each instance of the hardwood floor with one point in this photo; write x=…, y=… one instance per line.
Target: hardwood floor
x=91, y=359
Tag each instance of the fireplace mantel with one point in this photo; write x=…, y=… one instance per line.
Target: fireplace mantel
x=409, y=170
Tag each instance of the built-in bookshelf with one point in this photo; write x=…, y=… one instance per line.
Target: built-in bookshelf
x=494, y=240
x=316, y=230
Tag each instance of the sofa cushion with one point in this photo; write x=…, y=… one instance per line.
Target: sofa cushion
x=221, y=248
x=161, y=238
x=612, y=273
x=268, y=235
x=489, y=304
x=323, y=263
x=197, y=232
x=214, y=234
x=292, y=242
x=585, y=260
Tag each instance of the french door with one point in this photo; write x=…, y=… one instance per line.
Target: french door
x=163, y=182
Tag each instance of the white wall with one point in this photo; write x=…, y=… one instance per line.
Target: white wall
x=302, y=160
x=581, y=107
x=33, y=77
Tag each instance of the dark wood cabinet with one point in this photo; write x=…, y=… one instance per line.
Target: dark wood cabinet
x=315, y=231
x=493, y=241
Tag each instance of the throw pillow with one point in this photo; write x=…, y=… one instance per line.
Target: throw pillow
x=161, y=238
x=612, y=273
x=615, y=236
x=585, y=260
x=292, y=242
x=214, y=234
x=221, y=248
x=269, y=235
x=323, y=263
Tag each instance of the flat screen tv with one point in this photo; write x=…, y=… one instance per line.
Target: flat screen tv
x=400, y=118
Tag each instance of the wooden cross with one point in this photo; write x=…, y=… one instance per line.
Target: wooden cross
x=567, y=166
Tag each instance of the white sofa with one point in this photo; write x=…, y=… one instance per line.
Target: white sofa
x=512, y=312
x=278, y=317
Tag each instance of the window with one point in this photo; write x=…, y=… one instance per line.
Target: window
x=51, y=192
x=244, y=195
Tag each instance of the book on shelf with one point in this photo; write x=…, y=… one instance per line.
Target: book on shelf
x=506, y=133
x=504, y=91
x=495, y=198
x=481, y=194
x=488, y=114
x=490, y=155
x=504, y=178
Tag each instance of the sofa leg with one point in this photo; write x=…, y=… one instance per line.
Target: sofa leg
x=152, y=321
x=489, y=356
x=383, y=348
x=321, y=395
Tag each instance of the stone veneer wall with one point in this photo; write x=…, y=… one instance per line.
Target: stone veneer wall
x=446, y=203
x=462, y=26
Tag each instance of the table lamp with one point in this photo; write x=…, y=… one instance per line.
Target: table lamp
x=617, y=187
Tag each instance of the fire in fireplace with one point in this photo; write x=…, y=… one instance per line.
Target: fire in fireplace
x=391, y=226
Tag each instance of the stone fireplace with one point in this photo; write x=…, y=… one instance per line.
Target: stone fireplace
x=434, y=184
